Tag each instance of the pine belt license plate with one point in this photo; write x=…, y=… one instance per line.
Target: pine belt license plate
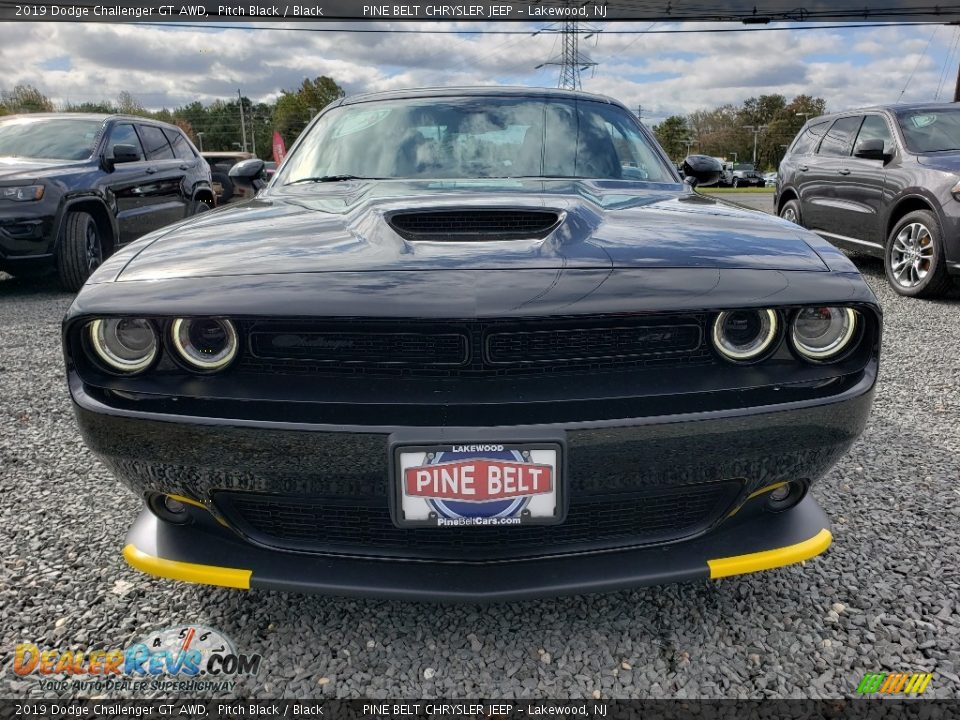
x=488, y=484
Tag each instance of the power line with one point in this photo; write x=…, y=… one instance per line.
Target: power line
x=424, y=31
x=919, y=60
x=948, y=62
x=571, y=61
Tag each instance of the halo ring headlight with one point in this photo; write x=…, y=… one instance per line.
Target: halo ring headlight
x=743, y=336
x=821, y=334
x=204, y=344
x=124, y=345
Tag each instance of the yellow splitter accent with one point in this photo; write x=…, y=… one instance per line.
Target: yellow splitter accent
x=240, y=578
x=768, y=559
x=188, y=572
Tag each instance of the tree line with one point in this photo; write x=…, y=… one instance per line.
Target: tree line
x=728, y=131
x=214, y=126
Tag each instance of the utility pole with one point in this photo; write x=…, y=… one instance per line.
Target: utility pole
x=756, y=130
x=253, y=132
x=200, y=138
x=640, y=113
x=571, y=61
x=243, y=122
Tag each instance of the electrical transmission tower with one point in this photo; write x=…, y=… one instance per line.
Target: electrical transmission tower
x=571, y=61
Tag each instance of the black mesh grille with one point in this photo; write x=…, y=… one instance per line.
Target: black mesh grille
x=367, y=348
x=520, y=346
x=473, y=225
x=364, y=527
x=475, y=348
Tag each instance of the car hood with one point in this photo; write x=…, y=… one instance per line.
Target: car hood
x=342, y=227
x=946, y=161
x=15, y=168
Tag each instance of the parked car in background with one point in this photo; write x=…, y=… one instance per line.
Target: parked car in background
x=770, y=179
x=75, y=187
x=220, y=164
x=886, y=181
x=743, y=175
x=474, y=344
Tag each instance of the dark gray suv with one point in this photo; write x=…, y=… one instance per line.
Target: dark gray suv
x=75, y=187
x=886, y=181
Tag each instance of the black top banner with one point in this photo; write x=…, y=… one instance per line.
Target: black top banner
x=749, y=11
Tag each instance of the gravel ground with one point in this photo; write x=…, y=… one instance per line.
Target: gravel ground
x=884, y=597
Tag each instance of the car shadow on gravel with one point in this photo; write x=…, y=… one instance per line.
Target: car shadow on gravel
x=620, y=644
x=870, y=266
x=34, y=287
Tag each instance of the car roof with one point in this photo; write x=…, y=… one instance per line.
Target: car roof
x=101, y=117
x=898, y=108
x=478, y=91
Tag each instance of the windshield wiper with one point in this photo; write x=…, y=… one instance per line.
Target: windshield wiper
x=329, y=178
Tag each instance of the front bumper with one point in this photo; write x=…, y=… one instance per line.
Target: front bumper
x=26, y=233
x=199, y=458
x=202, y=552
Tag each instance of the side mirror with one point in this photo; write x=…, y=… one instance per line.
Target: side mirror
x=123, y=154
x=251, y=169
x=701, y=170
x=873, y=149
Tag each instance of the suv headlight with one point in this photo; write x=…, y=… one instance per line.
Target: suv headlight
x=22, y=193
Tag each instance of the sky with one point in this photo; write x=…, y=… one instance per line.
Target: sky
x=665, y=73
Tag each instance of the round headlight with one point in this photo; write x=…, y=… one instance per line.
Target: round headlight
x=823, y=333
x=206, y=344
x=127, y=345
x=745, y=335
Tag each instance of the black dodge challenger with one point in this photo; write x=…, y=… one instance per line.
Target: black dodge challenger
x=473, y=344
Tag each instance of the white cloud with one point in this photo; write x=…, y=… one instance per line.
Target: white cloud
x=169, y=67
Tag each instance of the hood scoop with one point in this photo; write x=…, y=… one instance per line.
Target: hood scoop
x=473, y=225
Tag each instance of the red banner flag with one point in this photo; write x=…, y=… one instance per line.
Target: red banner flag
x=279, y=149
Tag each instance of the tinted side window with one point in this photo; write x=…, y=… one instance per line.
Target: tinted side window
x=124, y=134
x=839, y=138
x=875, y=128
x=181, y=148
x=808, y=139
x=155, y=143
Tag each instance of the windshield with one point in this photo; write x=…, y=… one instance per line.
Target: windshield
x=747, y=167
x=48, y=139
x=481, y=137
x=926, y=131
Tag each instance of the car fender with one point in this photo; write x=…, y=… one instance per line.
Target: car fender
x=907, y=195
x=71, y=201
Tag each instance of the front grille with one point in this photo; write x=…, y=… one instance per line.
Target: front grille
x=473, y=225
x=522, y=346
x=474, y=348
x=364, y=527
x=333, y=345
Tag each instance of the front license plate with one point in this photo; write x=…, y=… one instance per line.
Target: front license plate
x=478, y=485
